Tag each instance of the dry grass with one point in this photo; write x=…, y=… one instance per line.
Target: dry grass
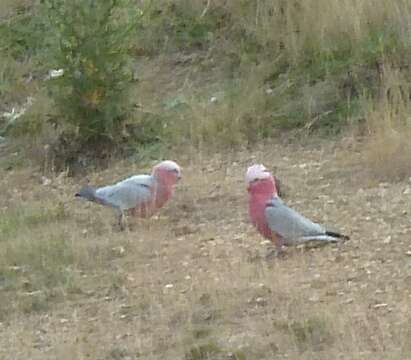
x=227, y=116
x=322, y=25
x=388, y=148
x=193, y=283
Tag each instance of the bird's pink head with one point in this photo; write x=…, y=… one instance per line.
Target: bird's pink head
x=261, y=187
x=167, y=174
x=167, y=169
x=260, y=181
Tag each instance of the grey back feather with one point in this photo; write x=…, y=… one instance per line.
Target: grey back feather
x=145, y=180
x=127, y=194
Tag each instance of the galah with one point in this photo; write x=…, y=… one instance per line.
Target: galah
x=139, y=195
x=275, y=220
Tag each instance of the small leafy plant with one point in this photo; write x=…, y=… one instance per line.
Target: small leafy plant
x=91, y=42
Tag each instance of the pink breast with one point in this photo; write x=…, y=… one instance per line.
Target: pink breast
x=257, y=216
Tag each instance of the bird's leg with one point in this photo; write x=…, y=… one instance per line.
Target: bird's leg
x=122, y=220
x=125, y=222
x=278, y=250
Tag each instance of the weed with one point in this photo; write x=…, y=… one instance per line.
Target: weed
x=203, y=352
x=200, y=333
x=167, y=26
x=312, y=333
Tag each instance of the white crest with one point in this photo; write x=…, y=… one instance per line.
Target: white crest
x=168, y=165
x=257, y=172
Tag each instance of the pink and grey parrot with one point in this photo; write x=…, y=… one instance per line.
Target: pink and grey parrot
x=275, y=220
x=139, y=195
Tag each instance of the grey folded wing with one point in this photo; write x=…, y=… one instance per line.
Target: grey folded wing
x=145, y=180
x=127, y=194
x=289, y=223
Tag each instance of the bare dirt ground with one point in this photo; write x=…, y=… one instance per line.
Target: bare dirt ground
x=193, y=282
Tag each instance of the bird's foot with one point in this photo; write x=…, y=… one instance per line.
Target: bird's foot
x=118, y=227
x=277, y=253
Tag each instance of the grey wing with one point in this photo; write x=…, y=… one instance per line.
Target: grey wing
x=145, y=180
x=124, y=195
x=289, y=223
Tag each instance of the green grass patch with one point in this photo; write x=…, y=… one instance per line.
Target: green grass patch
x=35, y=271
x=14, y=221
x=211, y=350
x=311, y=334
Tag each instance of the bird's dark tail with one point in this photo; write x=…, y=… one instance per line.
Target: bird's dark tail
x=337, y=235
x=87, y=192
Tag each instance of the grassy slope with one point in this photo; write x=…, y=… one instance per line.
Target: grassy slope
x=269, y=65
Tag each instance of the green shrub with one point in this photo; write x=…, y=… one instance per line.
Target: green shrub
x=91, y=42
